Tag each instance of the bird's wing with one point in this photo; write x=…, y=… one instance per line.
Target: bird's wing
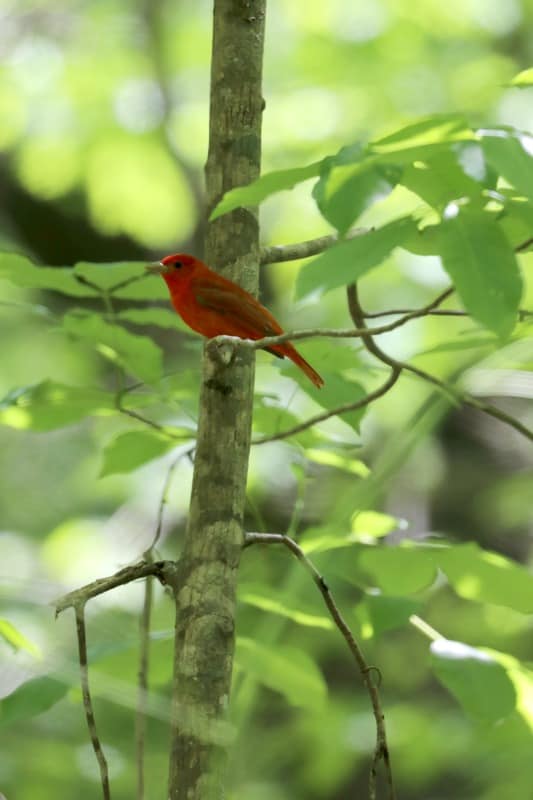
x=237, y=308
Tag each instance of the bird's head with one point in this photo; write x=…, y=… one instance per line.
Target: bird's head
x=174, y=267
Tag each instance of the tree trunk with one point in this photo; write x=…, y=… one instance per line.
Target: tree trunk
x=207, y=572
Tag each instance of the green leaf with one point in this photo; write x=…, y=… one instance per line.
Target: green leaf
x=424, y=241
x=440, y=180
x=106, y=276
x=349, y=184
x=479, y=682
x=338, y=460
x=509, y=152
x=349, y=260
x=254, y=193
x=287, y=670
x=16, y=639
x=483, y=267
x=401, y=570
x=130, y=450
x=385, y=613
x=31, y=698
x=149, y=287
x=337, y=391
x=469, y=341
x=272, y=419
x=138, y=354
x=523, y=80
x=275, y=606
x=374, y=524
x=50, y=405
x=422, y=139
x=160, y=317
x=487, y=577
x=22, y=272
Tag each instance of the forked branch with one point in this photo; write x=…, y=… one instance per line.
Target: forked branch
x=381, y=750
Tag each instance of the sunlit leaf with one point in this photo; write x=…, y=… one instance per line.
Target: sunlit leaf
x=50, y=405
x=349, y=260
x=16, y=639
x=287, y=670
x=483, y=267
x=374, y=524
x=349, y=184
x=487, y=577
x=422, y=139
x=510, y=153
x=523, y=80
x=130, y=450
x=478, y=682
x=338, y=460
x=440, y=180
x=263, y=187
x=283, y=609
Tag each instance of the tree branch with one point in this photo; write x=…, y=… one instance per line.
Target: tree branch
x=358, y=316
x=161, y=569
x=360, y=331
x=312, y=247
x=345, y=408
x=87, y=701
x=144, y=657
x=381, y=750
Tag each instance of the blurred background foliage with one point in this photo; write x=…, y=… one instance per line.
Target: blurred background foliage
x=104, y=110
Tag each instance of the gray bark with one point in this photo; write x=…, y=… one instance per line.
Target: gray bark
x=207, y=572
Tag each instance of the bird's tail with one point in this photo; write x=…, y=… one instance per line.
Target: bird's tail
x=292, y=353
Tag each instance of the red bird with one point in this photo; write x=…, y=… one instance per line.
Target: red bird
x=213, y=305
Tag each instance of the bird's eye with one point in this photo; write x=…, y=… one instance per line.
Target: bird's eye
x=178, y=264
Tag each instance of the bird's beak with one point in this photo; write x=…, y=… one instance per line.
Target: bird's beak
x=157, y=268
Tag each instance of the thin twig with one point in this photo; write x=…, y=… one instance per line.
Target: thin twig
x=164, y=494
x=144, y=629
x=311, y=247
x=126, y=575
x=344, y=409
x=144, y=657
x=391, y=312
x=381, y=751
x=524, y=245
x=523, y=313
x=360, y=331
x=87, y=702
x=357, y=314
x=156, y=426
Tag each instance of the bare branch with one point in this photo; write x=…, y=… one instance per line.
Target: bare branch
x=520, y=248
x=360, y=331
x=144, y=656
x=311, y=247
x=87, y=702
x=129, y=412
x=381, y=751
x=144, y=630
x=358, y=317
x=344, y=409
x=161, y=569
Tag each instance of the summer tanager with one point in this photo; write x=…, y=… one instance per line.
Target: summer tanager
x=213, y=305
